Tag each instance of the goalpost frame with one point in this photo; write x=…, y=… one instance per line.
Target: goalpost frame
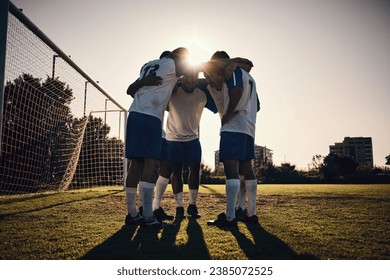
x=6, y=7
x=4, y=4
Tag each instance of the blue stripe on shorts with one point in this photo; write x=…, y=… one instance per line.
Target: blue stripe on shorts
x=189, y=151
x=143, y=136
x=236, y=146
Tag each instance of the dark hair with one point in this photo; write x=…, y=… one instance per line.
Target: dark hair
x=220, y=55
x=178, y=53
x=165, y=54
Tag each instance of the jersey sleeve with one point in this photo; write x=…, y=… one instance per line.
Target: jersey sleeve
x=235, y=80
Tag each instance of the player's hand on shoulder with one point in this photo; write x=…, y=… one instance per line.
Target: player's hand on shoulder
x=152, y=80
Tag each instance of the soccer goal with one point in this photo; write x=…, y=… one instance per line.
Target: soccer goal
x=59, y=129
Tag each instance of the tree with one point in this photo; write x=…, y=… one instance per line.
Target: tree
x=36, y=116
x=388, y=160
x=335, y=166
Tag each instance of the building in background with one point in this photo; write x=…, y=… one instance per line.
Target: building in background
x=263, y=155
x=358, y=148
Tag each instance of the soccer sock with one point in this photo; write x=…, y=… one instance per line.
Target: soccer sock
x=131, y=196
x=241, y=200
x=179, y=199
x=140, y=196
x=193, y=195
x=147, y=191
x=161, y=186
x=251, y=189
x=232, y=188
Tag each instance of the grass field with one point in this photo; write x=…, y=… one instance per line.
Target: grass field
x=296, y=222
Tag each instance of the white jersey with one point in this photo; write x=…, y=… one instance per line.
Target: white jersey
x=244, y=118
x=185, y=111
x=153, y=100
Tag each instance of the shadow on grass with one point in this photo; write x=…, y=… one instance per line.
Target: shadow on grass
x=266, y=246
x=132, y=242
x=2, y=216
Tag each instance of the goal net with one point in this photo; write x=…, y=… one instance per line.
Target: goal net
x=60, y=129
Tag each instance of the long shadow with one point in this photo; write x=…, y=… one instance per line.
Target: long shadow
x=266, y=246
x=2, y=216
x=132, y=242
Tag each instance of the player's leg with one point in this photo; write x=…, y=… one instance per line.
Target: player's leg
x=193, y=184
x=161, y=186
x=177, y=187
x=231, y=153
x=162, y=182
x=241, y=199
x=143, y=140
x=147, y=183
x=135, y=170
x=250, y=182
x=193, y=155
x=132, y=180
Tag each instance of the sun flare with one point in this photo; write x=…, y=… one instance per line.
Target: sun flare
x=198, y=52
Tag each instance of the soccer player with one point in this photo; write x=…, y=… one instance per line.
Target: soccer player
x=165, y=163
x=185, y=110
x=144, y=130
x=237, y=102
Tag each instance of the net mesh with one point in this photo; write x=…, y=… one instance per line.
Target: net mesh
x=59, y=130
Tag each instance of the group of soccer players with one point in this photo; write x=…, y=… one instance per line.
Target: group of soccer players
x=171, y=83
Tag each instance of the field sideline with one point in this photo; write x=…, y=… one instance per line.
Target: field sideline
x=296, y=222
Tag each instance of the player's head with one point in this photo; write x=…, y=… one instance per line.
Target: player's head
x=214, y=71
x=165, y=54
x=180, y=56
x=190, y=78
x=220, y=55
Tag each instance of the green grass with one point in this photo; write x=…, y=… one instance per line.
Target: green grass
x=296, y=222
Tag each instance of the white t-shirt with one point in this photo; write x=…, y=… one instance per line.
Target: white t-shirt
x=244, y=119
x=153, y=100
x=185, y=112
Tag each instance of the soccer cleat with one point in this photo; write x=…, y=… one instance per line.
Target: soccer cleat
x=154, y=223
x=137, y=220
x=180, y=213
x=240, y=214
x=253, y=220
x=161, y=215
x=222, y=222
x=192, y=210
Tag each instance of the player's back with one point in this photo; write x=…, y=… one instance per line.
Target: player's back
x=153, y=100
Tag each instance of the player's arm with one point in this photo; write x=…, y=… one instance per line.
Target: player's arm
x=149, y=80
x=234, y=98
x=210, y=104
x=235, y=86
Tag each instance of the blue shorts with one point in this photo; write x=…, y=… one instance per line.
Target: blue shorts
x=189, y=151
x=165, y=150
x=236, y=146
x=143, y=136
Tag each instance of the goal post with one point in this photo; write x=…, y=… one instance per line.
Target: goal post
x=3, y=45
x=59, y=128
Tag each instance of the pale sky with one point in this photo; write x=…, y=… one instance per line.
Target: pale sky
x=321, y=67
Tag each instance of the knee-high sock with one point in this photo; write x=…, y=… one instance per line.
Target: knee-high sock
x=251, y=189
x=161, y=186
x=147, y=191
x=241, y=200
x=193, y=196
x=131, y=196
x=179, y=199
x=232, y=189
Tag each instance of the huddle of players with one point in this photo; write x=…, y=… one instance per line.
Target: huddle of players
x=169, y=83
